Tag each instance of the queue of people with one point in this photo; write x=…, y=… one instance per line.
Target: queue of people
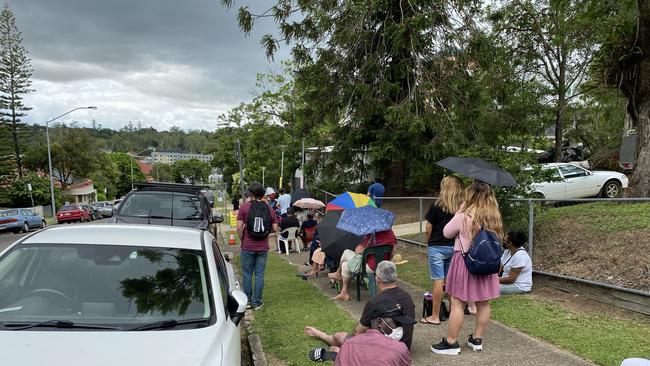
x=453, y=222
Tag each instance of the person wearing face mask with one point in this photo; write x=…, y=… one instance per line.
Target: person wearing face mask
x=379, y=345
x=389, y=296
x=516, y=275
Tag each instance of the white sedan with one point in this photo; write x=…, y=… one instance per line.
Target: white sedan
x=119, y=295
x=576, y=182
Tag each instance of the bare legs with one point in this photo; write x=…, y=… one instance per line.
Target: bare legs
x=436, y=298
x=457, y=317
x=345, y=282
x=334, y=341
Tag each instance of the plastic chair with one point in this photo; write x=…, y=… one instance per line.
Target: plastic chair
x=380, y=253
x=291, y=237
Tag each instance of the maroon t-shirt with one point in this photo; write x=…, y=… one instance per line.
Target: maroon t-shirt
x=252, y=244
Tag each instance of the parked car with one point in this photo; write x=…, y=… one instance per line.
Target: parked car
x=577, y=182
x=20, y=219
x=71, y=213
x=126, y=295
x=105, y=209
x=167, y=204
x=94, y=212
x=116, y=205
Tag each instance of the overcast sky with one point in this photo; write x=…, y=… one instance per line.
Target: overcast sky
x=161, y=62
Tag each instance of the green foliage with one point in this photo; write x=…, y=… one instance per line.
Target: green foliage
x=127, y=167
x=105, y=176
x=18, y=193
x=190, y=171
x=15, y=83
x=162, y=172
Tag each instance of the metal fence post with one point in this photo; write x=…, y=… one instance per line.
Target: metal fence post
x=531, y=223
x=420, y=220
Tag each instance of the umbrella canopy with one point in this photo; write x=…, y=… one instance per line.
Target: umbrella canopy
x=349, y=200
x=365, y=220
x=299, y=194
x=334, y=241
x=308, y=203
x=479, y=170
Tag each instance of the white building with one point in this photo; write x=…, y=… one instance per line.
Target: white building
x=164, y=157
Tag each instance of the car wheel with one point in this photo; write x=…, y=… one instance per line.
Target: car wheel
x=612, y=189
x=25, y=227
x=43, y=224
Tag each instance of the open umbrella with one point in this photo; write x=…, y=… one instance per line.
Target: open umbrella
x=479, y=170
x=309, y=203
x=349, y=200
x=299, y=194
x=334, y=241
x=365, y=220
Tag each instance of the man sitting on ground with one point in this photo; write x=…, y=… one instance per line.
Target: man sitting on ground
x=389, y=296
x=287, y=222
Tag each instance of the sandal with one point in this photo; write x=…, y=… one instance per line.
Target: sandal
x=321, y=355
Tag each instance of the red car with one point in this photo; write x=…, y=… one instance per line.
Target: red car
x=70, y=213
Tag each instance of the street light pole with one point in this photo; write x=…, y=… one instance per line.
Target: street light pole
x=49, y=153
x=263, y=169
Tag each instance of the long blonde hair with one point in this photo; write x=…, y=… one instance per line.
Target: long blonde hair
x=483, y=209
x=451, y=195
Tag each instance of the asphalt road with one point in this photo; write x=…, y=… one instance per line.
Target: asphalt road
x=7, y=239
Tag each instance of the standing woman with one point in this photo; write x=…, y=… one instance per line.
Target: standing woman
x=441, y=249
x=480, y=209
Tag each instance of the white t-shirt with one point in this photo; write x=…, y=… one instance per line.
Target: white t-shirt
x=284, y=201
x=520, y=259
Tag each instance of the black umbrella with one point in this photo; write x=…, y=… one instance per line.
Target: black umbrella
x=299, y=194
x=479, y=170
x=332, y=240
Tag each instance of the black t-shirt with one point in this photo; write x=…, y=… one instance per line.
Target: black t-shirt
x=392, y=297
x=287, y=222
x=438, y=219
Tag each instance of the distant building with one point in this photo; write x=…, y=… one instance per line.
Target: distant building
x=167, y=157
x=83, y=191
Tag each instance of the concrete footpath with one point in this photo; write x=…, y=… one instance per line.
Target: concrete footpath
x=502, y=345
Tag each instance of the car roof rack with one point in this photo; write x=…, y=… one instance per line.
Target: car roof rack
x=156, y=186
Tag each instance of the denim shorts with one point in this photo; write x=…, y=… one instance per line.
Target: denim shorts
x=439, y=260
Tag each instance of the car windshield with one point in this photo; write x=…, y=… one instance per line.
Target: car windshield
x=6, y=213
x=69, y=208
x=162, y=205
x=98, y=204
x=103, y=284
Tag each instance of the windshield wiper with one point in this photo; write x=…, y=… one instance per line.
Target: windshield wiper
x=170, y=323
x=58, y=324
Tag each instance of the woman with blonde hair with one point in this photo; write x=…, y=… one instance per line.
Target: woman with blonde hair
x=441, y=249
x=480, y=210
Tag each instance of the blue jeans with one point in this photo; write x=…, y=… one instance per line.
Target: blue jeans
x=253, y=262
x=510, y=289
x=439, y=261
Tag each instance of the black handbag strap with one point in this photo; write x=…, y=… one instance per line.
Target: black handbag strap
x=511, y=256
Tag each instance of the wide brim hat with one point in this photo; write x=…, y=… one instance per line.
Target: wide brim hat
x=397, y=259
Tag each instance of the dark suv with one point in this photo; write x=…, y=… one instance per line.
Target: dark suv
x=167, y=204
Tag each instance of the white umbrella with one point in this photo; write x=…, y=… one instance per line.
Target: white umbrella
x=308, y=203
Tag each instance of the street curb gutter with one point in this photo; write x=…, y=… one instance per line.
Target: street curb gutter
x=254, y=342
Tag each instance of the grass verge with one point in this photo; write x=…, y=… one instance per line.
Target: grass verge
x=289, y=305
x=602, y=217
x=602, y=339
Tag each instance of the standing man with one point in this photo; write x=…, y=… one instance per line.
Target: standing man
x=255, y=221
x=284, y=201
x=376, y=190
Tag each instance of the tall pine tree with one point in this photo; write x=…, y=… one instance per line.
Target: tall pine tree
x=15, y=74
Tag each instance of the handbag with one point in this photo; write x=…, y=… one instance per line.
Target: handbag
x=427, y=308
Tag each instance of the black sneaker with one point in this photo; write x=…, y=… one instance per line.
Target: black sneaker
x=444, y=348
x=249, y=306
x=475, y=343
x=258, y=306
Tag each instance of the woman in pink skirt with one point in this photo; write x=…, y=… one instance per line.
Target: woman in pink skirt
x=479, y=209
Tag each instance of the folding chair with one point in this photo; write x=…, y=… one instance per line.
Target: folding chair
x=379, y=252
x=291, y=237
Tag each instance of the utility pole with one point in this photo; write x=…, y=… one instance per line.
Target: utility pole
x=302, y=165
x=241, y=167
x=281, y=168
x=263, y=169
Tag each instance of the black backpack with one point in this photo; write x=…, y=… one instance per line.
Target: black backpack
x=258, y=220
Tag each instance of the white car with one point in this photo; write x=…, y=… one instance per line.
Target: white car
x=578, y=182
x=127, y=295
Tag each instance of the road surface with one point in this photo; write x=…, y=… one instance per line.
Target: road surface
x=7, y=239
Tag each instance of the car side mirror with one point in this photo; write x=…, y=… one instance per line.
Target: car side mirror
x=237, y=301
x=216, y=219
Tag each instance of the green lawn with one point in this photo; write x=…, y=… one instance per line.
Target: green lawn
x=605, y=217
x=289, y=305
x=601, y=339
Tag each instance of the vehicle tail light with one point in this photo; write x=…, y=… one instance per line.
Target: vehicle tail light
x=6, y=221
